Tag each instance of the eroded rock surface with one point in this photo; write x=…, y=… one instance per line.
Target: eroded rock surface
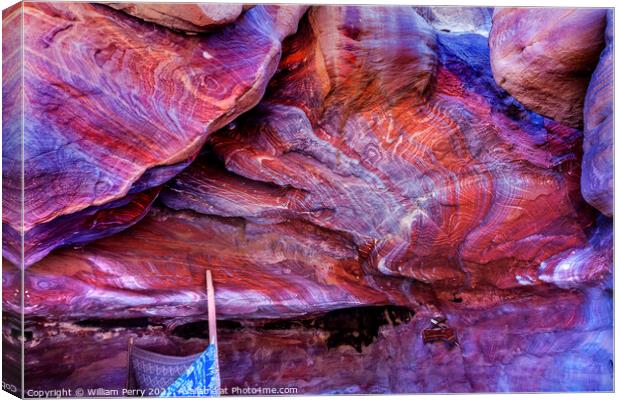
x=544, y=57
x=502, y=345
x=597, y=177
x=127, y=106
x=157, y=268
x=435, y=179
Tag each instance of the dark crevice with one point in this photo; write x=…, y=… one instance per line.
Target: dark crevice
x=200, y=329
x=456, y=299
x=114, y=323
x=16, y=334
x=356, y=327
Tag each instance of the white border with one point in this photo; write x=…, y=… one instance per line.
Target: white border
x=494, y=3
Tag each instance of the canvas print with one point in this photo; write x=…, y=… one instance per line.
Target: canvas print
x=206, y=199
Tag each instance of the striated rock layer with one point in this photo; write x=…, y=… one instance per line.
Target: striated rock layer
x=383, y=179
x=158, y=269
x=440, y=177
x=566, y=341
x=12, y=125
x=597, y=177
x=544, y=57
x=148, y=93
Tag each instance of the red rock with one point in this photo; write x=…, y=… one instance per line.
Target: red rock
x=157, y=268
x=184, y=17
x=78, y=228
x=544, y=57
x=437, y=184
x=597, y=177
x=150, y=94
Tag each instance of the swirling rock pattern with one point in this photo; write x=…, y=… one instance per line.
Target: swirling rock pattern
x=382, y=168
x=184, y=17
x=12, y=125
x=80, y=227
x=158, y=269
x=458, y=19
x=426, y=184
x=597, y=177
x=544, y=57
x=151, y=94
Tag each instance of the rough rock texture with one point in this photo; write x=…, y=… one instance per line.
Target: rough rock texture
x=184, y=17
x=458, y=19
x=544, y=57
x=382, y=180
x=150, y=94
x=597, y=176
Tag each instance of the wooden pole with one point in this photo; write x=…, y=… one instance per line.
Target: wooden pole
x=211, y=310
x=130, y=345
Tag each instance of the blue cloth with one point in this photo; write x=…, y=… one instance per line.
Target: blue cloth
x=202, y=378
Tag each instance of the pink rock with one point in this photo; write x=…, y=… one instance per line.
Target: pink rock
x=437, y=179
x=383, y=169
x=544, y=57
x=184, y=17
x=157, y=268
x=126, y=106
x=78, y=228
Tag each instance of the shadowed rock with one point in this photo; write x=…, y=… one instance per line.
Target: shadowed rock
x=597, y=184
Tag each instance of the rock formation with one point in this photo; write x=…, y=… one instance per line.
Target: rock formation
x=458, y=19
x=347, y=174
x=128, y=75
x=184, y=17
x=597, y=176
x=544, y=57
x=158, y=269
x=368, y=166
